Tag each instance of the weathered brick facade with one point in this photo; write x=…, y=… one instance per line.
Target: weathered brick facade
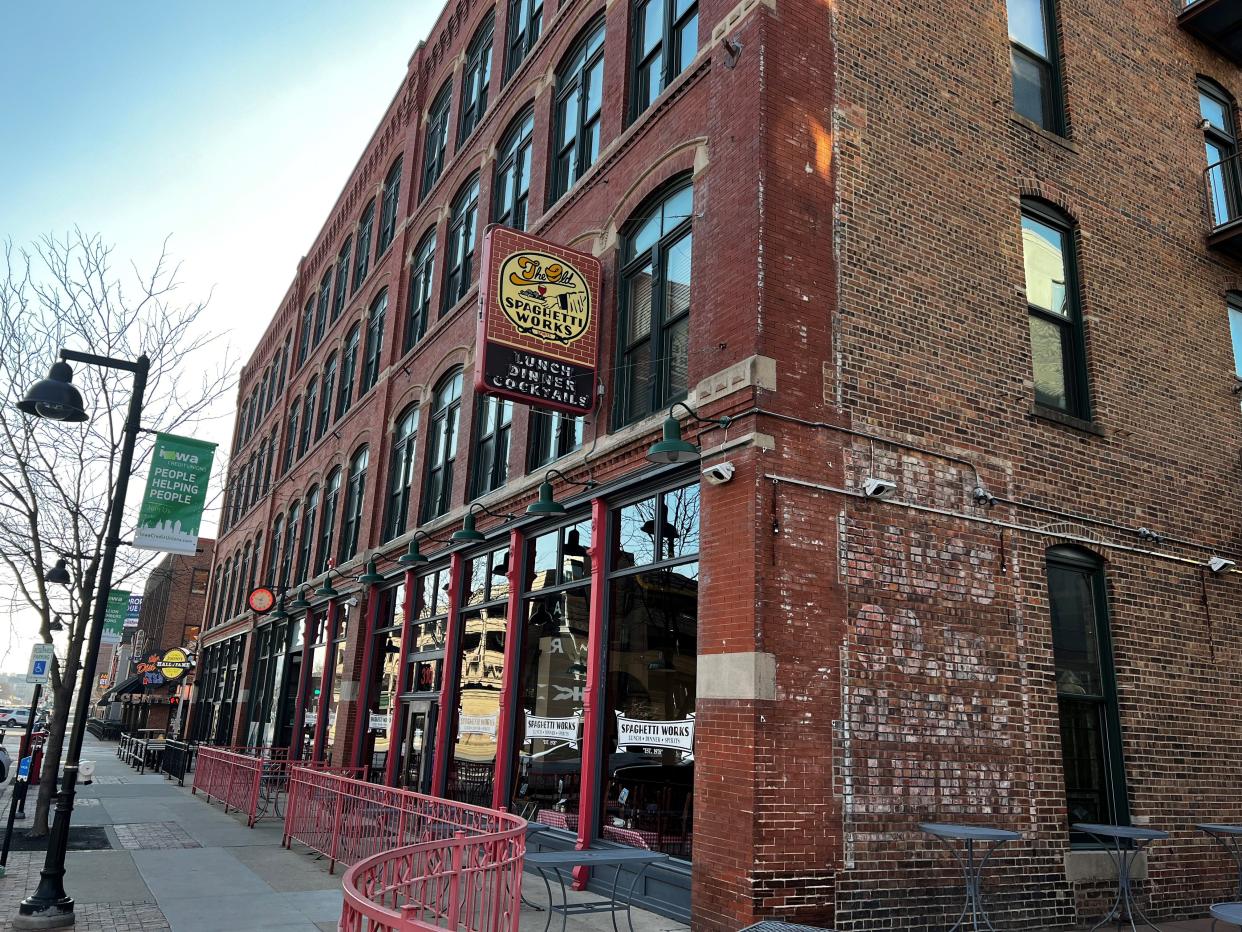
x=858, y=307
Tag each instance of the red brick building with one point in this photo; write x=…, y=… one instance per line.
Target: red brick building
x=954, y=275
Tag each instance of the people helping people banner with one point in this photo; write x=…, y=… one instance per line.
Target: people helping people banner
x=172, y=507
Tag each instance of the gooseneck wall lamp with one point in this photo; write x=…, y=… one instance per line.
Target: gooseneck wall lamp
x=546, y=503
x=673, y=449
x=413, y=556
x=469, y=533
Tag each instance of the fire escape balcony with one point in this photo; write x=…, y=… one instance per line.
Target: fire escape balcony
x=1216, y=22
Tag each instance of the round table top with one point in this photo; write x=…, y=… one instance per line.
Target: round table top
x=1228, y=912
x=1133, y=832
x=968, y=832
x=1220, y=828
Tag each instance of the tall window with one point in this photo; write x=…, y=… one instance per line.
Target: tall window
x=375, y=343
x=491, y=444
x=463, y=221
x=388, y=213
x=1057, y=346
x=437, y=139
x=327, y=527
x=310, y=406
x=666, y=38
x=401, y=473
x=362, y=259
x=421, y=276
x=476, y=79
x=579, y=100
x=512, y=184
x=525, y=24
x=654, y=337
x=310, y=514
x=291, y=545
x=308, y=325
x=552, y=434
x=291, y=436
x=270, y=577
x=1095, y=787
x=1033, y=61
x=442, y=447
x=349, y=369
x=1235, y=332
x=326, y=396
x=1224, y=176
x=341, y=292
x=325, y=301
x=353, y=505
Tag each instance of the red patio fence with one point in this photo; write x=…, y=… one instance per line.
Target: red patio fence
x=251, y=779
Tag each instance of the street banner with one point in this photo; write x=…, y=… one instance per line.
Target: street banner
x=133, y=611
x=538, y=334
x=172, y=507
x=114, y=620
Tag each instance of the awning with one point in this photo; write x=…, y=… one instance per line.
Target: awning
x=131, y=685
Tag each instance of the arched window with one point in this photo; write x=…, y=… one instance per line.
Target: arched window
x=525, y=24
x=325, y=301
x=273, y=552
x=291, y=543
x=310, y=405
x=512, y=185
x=476, y=79
x=243, y=573
x=273, y=447
x=1091, y=752
x=442, y=446
x=308, y=325
x=310, y=514
x=579, y=101
x=401, y=473
x=286, y=360
x=422, y=273
x=326, y=397
x=1034, y=63
x=653, y=344
x=373, y=356
x=253, y=575
x=390, y=199
x=362, y=259
x=219, y=592
x=349, y=369
x=230, y=587
x=1224, y=175
x=436, y=141
x=665, y=39
x=341, y=289
x=327, y=529
x=291, y=436
x=492, y=424
x=462, y=228
x=354, y=500
x=1058, y=356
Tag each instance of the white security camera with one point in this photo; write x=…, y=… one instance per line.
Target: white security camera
x=1220, y=565
x=878, y=488
x=352, y=600
x=719, y=473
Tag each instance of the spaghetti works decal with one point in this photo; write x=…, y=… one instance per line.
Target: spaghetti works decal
x=677, y=735
x=553, y=729
x=538, y=338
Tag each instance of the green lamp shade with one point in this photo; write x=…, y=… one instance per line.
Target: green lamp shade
x=412, y=556
x=370, y=577
x=300, y=604
x=468, y=532
x=672, y=449
x=55, y=397
x=326, y=589
x=546, y=504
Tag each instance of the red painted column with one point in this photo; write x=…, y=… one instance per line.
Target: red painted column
x=448, y=688
x=395, y=729
x=299, y=707
x=509, y=679
x=592, y=713
x=325, y=682
x=363, y=698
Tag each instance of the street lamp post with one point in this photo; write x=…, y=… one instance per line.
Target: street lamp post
x=49, y=907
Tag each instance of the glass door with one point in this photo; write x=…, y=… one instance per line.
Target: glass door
x=418, y=749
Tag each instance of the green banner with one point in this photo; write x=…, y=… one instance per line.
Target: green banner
x=172, y=507
x=114, y=620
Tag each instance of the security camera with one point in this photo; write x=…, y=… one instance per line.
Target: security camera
x=352, y=600
x=1220, y=565
x=719, y=473
x=878, y=488
x=983, y=497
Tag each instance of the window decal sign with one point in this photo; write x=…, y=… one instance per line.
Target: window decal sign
x=538, y=336
x=676, y=735
x=553, y=729
x=477, y=725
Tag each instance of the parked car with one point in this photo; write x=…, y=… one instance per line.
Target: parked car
x=10, y=716
x=5, y=764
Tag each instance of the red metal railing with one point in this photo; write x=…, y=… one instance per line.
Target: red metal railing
x=419, y=862
x=252, y=780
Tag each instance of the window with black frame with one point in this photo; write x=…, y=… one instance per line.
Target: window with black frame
x=326, y=399
x=442, y=446
x=337, y=678
x=422, y=275
x=362, y=259
x=349, y=370
x=317, y=657
x=341, y=288
x=385, y=679
x=273, y=552
x=545, y=772
x=576, y=110
x=270, y=687
x=372, y=360
x=653, y=344
x=401, y=472
x=513, y=165
x=1224, y=175
x=436, y=141
x=291, y=436
x=423, y=678
x=391, y=200
x=354, y=501
x=325, y=301
x=525, y=24
x=476, y=79
x=310, y=513
x=291, y=543
x=327, y=526
x=665, y=40
x=1034, y=63
x=551, y=435
x=647, y=792
x=492, y=425
x=259, y=687
x=308, y=324
x=483, y=618
x=310, y=405
x=462, y=233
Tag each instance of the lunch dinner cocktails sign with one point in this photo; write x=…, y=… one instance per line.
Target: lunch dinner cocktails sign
x=538, y=340
x=172, y=507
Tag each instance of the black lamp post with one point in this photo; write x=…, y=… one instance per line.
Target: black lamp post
x=49, y=907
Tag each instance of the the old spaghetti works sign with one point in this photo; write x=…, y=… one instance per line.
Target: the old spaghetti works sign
x=539, y=322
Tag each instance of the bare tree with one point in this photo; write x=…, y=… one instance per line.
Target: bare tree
x=56, y=479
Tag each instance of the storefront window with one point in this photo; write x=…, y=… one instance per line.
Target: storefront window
x=556, y=605
x=483, y=618
x=385, y=682
x=648, y=792
x=338, y=676
x=318, y=656
x=423, y=678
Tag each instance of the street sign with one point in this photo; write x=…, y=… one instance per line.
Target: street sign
x=23, y=770
x=40, y=668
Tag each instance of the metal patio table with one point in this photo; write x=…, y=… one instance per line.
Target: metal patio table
x=972, y=870
x=1226, y=912
x=1230, y=838
x=1124, y=843
x=561, y=862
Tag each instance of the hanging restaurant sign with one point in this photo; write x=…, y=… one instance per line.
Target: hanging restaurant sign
x=636, y=733
x=553, y=729
x=538, y=336
x=175, y=662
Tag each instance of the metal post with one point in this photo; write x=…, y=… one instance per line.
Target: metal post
x=49, y=907
x=20, y=788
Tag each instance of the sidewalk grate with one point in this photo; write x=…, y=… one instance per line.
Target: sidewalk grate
x=147, y=835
